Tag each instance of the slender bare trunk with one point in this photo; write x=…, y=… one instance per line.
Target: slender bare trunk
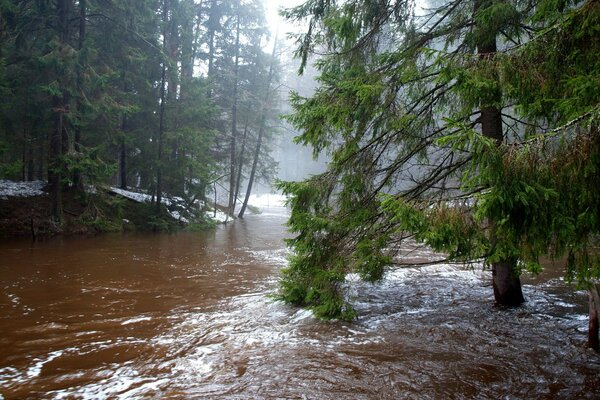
x=161, y=118
x=232, y=145
x=77, y=178
x=266, y=104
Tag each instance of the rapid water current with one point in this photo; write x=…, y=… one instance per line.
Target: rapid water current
x=188, y=315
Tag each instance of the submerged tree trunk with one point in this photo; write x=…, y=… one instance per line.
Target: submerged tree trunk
x=506, y=281
x=594, y=322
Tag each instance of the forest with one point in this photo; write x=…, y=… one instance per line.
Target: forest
x=330, y=199
x=169, y=97
x=469, y=126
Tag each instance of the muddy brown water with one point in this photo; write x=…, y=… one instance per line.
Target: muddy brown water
x=188, y=315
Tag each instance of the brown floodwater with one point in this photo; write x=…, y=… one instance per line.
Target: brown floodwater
x=188, y=315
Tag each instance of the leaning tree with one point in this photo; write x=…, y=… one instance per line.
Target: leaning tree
x=467, y=125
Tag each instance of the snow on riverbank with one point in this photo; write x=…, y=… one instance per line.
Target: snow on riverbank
x=34, y=188
x=146, y=198
x=267, y=200
x=20, y=189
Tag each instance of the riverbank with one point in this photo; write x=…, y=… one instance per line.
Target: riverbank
x=25, y=210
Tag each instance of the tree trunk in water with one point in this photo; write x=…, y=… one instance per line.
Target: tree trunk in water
x=232, y=146
x=594, y=323
x=238, y=180
x=506, y=281
x=507, y=284
x=261, y=129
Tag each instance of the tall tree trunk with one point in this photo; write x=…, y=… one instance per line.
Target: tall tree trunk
x=30, y=162
x=123, y=144
x=24, y=155
x=59, y=105
x=123, y=164
x=77, y=179
x=232, y=145
x=505, y=278
x=213, y=21
x=238, y=179
x=161, y=118
x=266, y=105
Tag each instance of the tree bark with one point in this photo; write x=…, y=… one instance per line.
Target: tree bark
x=261, y=129
x=232, y=145
x=241, y=160
x=505, y=278
x=59, y=105
x=123, y=164
x=594, y=323
x=77, y=178
x=161, y=118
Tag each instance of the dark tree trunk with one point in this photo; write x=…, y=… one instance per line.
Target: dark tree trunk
x=54, y=166
x=77, y=178
x=594, y=323
x=261, y=129
x=24, y=155
x=241, y=161
x=123, y=164
x=161, y=121
x=232, y=145
x=30, y=164
x=506, y=281
x=59, y=105
x=212, y=25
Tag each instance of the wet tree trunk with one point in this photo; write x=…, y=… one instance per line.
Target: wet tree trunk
x=232, y=144
x=161, y=118
x=506, y=281
x=241, y=161
x=594, y=322
x=261, y=129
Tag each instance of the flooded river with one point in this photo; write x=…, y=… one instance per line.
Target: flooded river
x=188, y=315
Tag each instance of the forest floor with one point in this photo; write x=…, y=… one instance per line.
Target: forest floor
x=25, y=210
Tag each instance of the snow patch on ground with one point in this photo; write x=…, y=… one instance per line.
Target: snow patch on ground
x=142, y=197
x=220, y=217
x=20, y=189
x=145, y=198
x=267, y=200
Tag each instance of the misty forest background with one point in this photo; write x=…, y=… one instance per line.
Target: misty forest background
x=176, y=97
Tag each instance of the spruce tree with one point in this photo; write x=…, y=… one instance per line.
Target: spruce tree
x=412, y=106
